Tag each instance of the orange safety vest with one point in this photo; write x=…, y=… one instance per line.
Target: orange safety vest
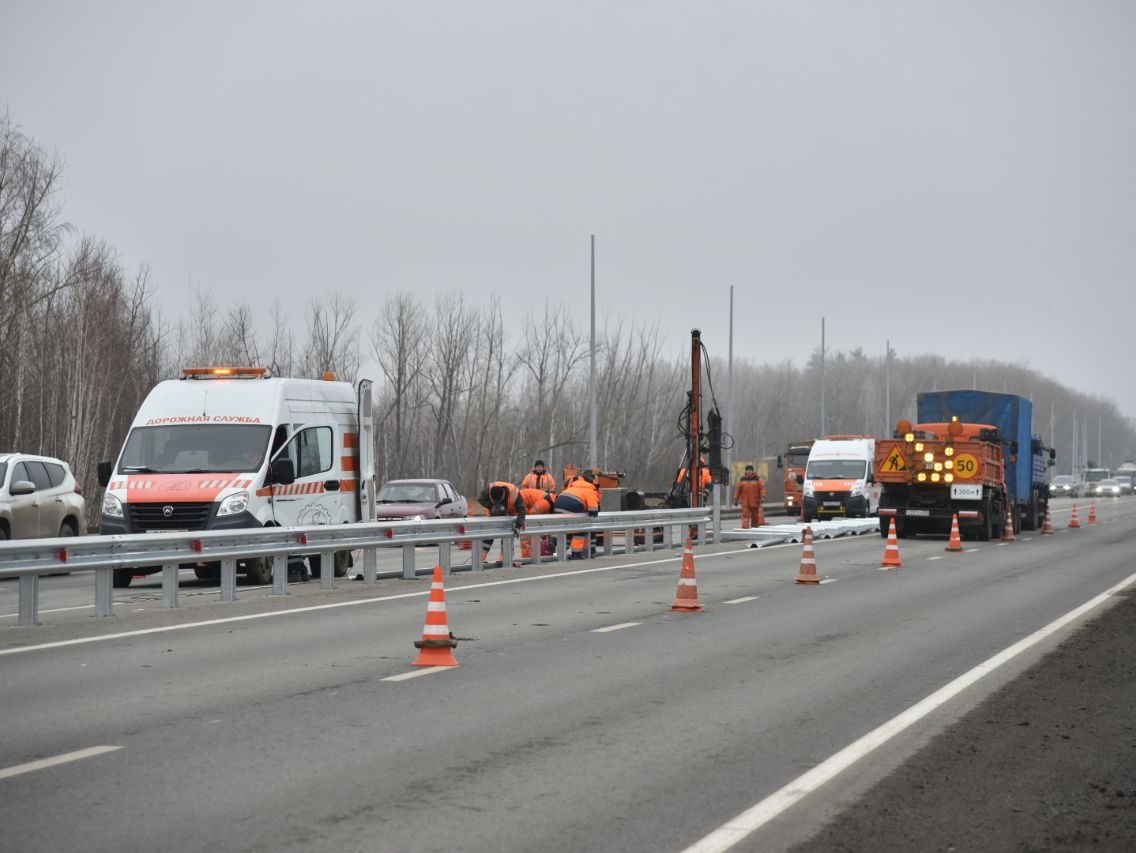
x=538, y=501
x=513, y=502
x=545, y=482
x=750, y=490
x=587, y=492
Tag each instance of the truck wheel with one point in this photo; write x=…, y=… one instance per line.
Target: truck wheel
x=122, y=578
x=884, y=528
x=1031, y=519
x=259, y=570
x=986, y=530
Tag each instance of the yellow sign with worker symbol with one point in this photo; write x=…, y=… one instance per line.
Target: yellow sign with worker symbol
x=966, y=466
x=895, y=462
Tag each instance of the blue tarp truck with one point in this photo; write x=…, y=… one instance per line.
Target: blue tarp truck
x=1026, y=459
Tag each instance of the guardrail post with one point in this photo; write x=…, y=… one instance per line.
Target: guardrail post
x=229, y=580
x=668, y=537
x=562, y=547
x=408, y=562
x=104, y=592
x=506, y=552
x=327, y=570
x=534, y=549
x=170, y=585
x=609, y=542
x=475, y=554
x=29, y=601
x=702, y=533
x=280, y=574
x=444, y=558
x=370, y=565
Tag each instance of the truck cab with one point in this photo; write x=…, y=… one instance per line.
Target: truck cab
x=793, y=465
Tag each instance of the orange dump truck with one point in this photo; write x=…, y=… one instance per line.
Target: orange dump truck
x=792, y=464
x=932, y=471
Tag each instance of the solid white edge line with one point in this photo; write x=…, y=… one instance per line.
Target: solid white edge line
x=415, y=673
x=753, y=818
x=618, y=627
x=248, y=617
x=66, y=758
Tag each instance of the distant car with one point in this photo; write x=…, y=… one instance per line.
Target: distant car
x=415, y=500
x=1125, y=481
x=1064, y=486
x=39, y=498
x=1107, y=488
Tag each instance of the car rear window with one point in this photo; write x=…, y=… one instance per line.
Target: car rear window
x=57, y=473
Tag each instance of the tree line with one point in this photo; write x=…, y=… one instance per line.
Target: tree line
x=459, y=395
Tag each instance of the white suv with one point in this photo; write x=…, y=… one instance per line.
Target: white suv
x=39, y=498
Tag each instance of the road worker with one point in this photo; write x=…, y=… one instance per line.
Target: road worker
x=579, y=496
x=539, y=478
x=537, y=502
x=705, y=476
x=502, y=498
x=750, y=493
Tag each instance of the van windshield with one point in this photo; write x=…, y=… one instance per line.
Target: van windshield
x=836, y=469
x=195, y=449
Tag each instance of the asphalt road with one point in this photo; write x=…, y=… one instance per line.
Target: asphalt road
x=584, y=716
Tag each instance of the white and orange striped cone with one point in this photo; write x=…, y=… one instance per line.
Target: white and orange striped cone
x=1008, y=529
x=808, y=559
x=1047, y=527
x=436, y=648
x=955, y=542
x=891, y=558
x=686, y=597
x=1093, y=512
x=1073, y=522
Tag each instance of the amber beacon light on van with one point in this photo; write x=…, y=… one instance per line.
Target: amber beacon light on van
x=223, y=372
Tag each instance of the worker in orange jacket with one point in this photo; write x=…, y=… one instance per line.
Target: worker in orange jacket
x=502, y=498
x=539, y=478
x=579, y=496
x=705, y=476
x=537, y=502
x=750, y=493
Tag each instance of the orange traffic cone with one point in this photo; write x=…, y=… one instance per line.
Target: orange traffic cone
x=1093, y=512
x=1047, y=528
x=808, y=559
x=686, y=597
x=1008, y=530
x=891, y=550
x=437, y=643
x=1073, y=522
x=955, y=542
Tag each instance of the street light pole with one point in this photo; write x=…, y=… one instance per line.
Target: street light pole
x=592, y=460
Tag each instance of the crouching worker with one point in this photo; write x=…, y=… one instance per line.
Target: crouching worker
x=502, y=498
x=537, y=502
x=581, y=495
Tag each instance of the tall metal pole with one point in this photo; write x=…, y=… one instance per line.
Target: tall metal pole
x=1052, y=424
x=1100, y=453
x=1074, y=456
x=823, y=431
x=592, y=457
x=888, y=425
x=730, y=397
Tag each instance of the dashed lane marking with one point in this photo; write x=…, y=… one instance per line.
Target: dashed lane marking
x=936, y=558
x=618, y=627
x=415, y=673
x=741, y=600
x=55, y=761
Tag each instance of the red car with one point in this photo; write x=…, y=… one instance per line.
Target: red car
x=415, y=500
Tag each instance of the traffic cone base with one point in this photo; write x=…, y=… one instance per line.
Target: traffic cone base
x=808, y=559
x=686, y=596
x=1093, y=513
x=891, y=558
x=955, y=542
x=1047, y=527
x=437, y=643
x=1073, y=522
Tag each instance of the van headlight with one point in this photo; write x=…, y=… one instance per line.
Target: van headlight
x=112, y=506
x=418, y=517
x=234, y=504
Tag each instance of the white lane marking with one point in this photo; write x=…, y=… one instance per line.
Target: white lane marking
x=888, y=568
x=618, y=627
x=756, y=816
x=741, y=600
x=969, y=550
x=53, y=610
x=830, y=580
x=66, y=758
x=415, y=673
x=936, y=558
x=378, y=599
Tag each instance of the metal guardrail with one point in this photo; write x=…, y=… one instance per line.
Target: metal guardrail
x=28, y=560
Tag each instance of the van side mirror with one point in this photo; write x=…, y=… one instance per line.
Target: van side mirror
x=21, y=487
x=105, y=469
x=779, y=464
x=800, y=479
x=281, y=473
x=443, y=502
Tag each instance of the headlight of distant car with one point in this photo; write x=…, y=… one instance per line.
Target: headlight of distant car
x=419, y=517
x=234, y=504
x=112, y=506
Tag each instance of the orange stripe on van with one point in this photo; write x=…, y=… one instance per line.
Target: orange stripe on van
x=349, y=463
x=350, y=439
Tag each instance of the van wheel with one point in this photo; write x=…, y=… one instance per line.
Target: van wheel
x=207, y=573
x=259, y=570
x=122, y=578
x=342, y=564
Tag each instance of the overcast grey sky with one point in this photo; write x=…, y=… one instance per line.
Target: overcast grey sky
x=957, y=176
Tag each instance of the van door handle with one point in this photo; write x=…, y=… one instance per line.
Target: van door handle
x=331, y=485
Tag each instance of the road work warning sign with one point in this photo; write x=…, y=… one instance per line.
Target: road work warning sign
x=894, y=462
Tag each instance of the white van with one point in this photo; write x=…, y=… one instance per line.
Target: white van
x=225, y=448
x=840, y=478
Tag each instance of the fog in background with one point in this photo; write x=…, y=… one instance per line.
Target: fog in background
x=955, y=176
